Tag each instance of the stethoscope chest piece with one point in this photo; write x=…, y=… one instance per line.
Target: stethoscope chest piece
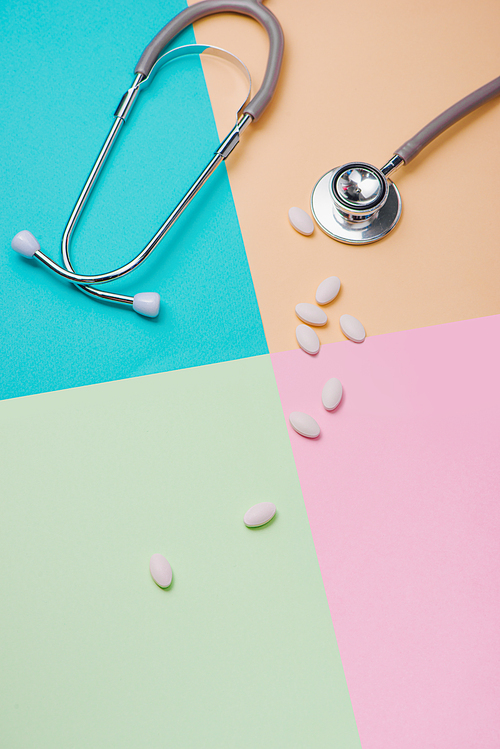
x=356, y=203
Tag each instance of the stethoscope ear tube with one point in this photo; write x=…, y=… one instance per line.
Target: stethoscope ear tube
x=252, y=8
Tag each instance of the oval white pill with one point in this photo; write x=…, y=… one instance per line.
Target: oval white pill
x=307, y=338
x=352, y=328
x=161, y=571
x=304, y=424
x=311, y=314
x=301, y=221
x=259, y=514
x=328, y=290
x=332, y=394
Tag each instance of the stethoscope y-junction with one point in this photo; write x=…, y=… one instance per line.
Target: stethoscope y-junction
x=148, y=303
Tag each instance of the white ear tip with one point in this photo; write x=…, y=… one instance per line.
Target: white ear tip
x=25, y=243
x=147, y=303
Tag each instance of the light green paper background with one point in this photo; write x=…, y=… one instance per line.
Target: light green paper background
x=240, y=652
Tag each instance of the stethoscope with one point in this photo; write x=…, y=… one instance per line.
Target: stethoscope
x=148, y=303
x=356, y=203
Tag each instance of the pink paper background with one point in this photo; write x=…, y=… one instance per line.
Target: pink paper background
x=402, y=493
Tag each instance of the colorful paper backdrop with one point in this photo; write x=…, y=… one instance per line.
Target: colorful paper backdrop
x=67, y=70
x=357, y=82
x=240, y=651
x=400, y=489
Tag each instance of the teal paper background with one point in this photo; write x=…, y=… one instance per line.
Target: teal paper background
x=65, y=69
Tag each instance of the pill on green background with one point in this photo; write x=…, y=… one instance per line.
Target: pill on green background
x=161, y=571
x=259, y=514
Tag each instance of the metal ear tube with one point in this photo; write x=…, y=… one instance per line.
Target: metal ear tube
x=148, y=303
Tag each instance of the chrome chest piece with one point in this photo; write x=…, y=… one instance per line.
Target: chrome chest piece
x=356, y=203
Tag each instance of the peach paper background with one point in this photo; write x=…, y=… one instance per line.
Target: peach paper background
x=358, y=80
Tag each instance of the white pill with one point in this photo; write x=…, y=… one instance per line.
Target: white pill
x=301, y=221
x=328, y=290
x=311, y=314
x=259, y=514
x=332, y=394
x=307, y=338
x=352, y=328
x=161, y=571
x=304, y=424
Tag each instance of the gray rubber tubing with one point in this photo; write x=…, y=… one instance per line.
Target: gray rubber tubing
x=252, y=8
x=412, y=147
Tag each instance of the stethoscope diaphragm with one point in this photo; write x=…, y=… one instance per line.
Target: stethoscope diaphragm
x=356, y=203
